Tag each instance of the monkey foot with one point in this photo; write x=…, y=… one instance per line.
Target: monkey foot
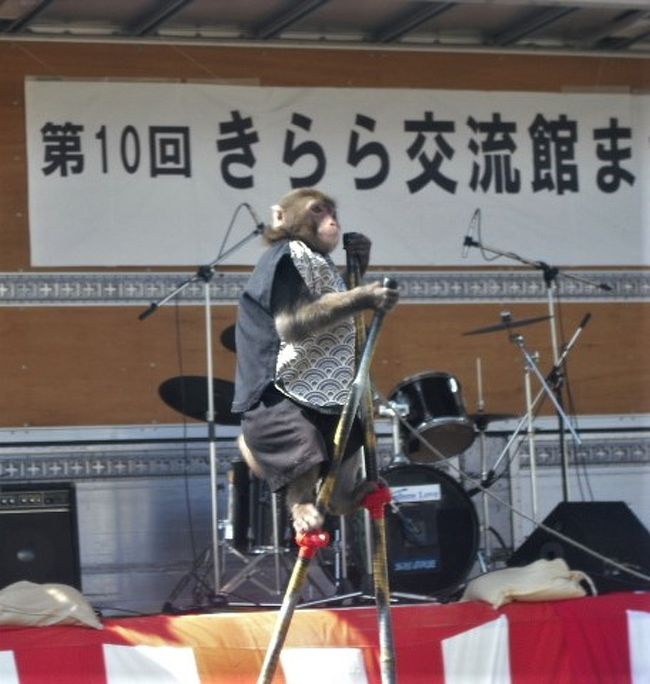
x=306, y=518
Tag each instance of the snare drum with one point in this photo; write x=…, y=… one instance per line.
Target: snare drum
x=432, y=531
x=436, y=412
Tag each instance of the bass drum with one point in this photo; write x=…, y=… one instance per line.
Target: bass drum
x=432, y=531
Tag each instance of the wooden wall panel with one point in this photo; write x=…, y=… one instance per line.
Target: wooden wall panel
x=609, y=368
x=100, y=365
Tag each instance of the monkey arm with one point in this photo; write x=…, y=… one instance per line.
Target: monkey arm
x=309, y=316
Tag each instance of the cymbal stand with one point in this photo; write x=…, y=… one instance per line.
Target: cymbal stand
x=485, y=559
x=538, y=397
x=204, y=275
x=530, y=365
x=530, y=417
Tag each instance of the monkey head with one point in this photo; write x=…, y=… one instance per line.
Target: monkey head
x=309, y=215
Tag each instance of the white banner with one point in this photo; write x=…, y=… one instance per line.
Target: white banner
x=152, y=174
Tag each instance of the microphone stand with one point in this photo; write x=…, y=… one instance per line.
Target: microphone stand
x=204, y=275
x=550, y=274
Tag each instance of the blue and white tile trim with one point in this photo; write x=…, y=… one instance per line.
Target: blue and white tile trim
x=474, y=287
x=99, y=453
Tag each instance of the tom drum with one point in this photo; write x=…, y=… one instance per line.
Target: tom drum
x=437, y=413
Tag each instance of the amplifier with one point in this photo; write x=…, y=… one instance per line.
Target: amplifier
x=38, y=535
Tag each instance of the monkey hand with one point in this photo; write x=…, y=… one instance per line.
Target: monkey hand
x=383, y=298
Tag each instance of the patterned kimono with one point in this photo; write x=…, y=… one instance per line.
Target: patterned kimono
x=317, y=371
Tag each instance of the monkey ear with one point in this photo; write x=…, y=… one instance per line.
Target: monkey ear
x=277, y=216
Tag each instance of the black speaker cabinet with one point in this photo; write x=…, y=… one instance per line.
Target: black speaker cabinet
x=607, y=527
x=38, y=535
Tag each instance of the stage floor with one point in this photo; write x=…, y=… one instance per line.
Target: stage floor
x=578, y=641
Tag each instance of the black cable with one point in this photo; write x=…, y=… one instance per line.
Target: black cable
x=499, y=538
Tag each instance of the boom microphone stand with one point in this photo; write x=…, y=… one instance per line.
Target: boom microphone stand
x=204, y=275
x=550, y=278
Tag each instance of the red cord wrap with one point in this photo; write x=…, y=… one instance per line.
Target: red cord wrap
x=375, y=501
x=310, y=542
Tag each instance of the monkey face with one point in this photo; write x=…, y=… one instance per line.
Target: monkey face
x=306, y=214
x=326, y=228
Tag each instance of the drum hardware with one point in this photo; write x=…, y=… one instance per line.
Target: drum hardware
x=396, y=411
x=251, y=507
x=531, y=367
x=507, y=323
x=485, y=558
x=485, y=478
x=213, y=556
x=436, y=415
x=276, y=551
x=543, y=391
x=481, y=419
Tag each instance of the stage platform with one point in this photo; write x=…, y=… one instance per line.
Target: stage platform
x=602, y=639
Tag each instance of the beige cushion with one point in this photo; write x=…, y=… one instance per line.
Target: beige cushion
x=27, y=603
x=543, y=580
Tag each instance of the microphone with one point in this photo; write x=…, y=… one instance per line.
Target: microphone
x=259, y=225
x=413, y=532
x=584, y=321
x=347, y=237
x=469, y=240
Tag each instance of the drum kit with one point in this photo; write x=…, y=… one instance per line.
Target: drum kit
x=434, y=537
x=432, y=525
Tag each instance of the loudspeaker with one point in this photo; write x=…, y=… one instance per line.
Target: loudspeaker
x=38, y=535
x=607, y=527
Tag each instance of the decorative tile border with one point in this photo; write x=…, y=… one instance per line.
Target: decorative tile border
x=81, y=463
x=605, y=451
x=143, y=288
x=108, y=462
x=111, y=461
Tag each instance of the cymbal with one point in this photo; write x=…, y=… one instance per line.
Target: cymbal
x=506, y=325
x=188, y=394
x=482, y=420
x=228, y=338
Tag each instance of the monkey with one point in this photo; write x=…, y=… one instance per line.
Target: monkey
x=296, y=331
